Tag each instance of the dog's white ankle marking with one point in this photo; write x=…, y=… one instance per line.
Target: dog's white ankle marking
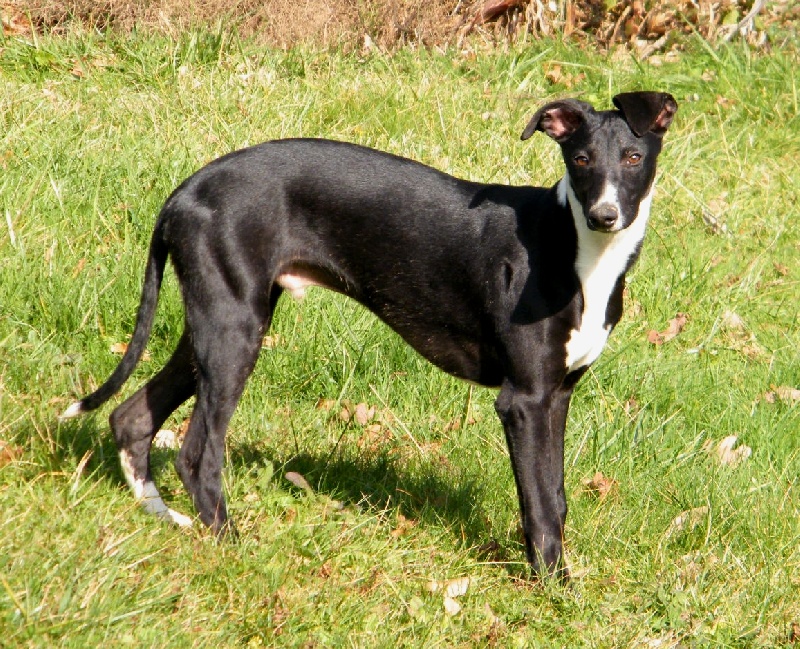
x=295, y=284
x=601, y=259
x=75, y=410
x=146, y=492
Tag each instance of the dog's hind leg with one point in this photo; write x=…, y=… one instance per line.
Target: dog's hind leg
x=226, y=346
x=136, y=421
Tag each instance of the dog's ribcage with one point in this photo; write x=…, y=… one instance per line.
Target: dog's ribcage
x=601, y=259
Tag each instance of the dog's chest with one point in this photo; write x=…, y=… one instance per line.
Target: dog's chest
x=601, y=260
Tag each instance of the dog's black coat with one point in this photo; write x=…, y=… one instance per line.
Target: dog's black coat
x=480, y=279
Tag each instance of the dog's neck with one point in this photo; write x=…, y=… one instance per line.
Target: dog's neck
x=600, y=260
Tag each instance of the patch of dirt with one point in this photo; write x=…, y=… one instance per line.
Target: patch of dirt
x=647, y=25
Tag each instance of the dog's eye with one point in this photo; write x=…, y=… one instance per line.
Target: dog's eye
x=633, y=159
x=581, y=160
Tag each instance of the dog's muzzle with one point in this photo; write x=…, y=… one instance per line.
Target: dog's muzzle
x=603, y=217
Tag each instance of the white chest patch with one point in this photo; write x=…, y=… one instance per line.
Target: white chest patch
x=601, y=259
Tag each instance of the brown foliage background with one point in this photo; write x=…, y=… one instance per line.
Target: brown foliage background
x=645, y=24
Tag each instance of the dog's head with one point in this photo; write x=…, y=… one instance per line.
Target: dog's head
x=610, y=155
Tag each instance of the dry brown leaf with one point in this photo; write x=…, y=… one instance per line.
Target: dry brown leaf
x=121, y=348
x=674, y=327
x=494, y=8
x=363, y=414
x=687, y=520
x=325, y=404
x=725, y=452
x=452, y=587
x=271, y=341
x=794, y=633
x=556, y=76
x=781, y=269
x=600, y=485
x=492, y=617
x=166, y=438
x=632, y=407
x=404, y=525
x=786, y=393
x=9, y=453
x=451, y=606
x=78, y=267
x=298, y=481
x=732, y=320
x=453, y=424
x=16, y=24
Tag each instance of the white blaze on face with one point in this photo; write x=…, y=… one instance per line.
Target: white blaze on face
x=146, y=492
x=610, y=197
x=601, y=258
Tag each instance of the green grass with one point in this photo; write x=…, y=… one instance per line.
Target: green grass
x=95, y=133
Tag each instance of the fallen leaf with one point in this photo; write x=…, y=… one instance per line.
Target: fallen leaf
x=451, y=587
x=325, y=404
x=493, y=8
x=363, y=414
x=494, y=620
x=674, y=327
x=16, y=24
x=732, y=320
x=554, y=75
x=725, y=452
x=451, y=606
x=404, y=525
x=166, y=439
x=9, y=453
x=794, y=633
x=415, y=607
x=688, y=519
x=632, y=407
x=78, y=267
x=271, y=342
x=298, y=481
x=121, y=348
x=787, y=394
x=725, y=102
x=714, y=224
x=600, y=485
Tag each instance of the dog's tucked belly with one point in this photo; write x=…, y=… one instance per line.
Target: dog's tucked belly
x=457, y=354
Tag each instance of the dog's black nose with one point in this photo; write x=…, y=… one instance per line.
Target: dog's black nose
x=603, y=217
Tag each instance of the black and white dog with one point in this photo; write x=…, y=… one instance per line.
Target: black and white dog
x=509, y=287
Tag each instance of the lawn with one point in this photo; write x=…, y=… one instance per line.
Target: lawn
x=409, y=489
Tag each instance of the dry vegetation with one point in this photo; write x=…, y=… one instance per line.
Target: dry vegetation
x=647, y=25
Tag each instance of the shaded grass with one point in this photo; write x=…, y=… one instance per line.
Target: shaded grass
x=97, y=131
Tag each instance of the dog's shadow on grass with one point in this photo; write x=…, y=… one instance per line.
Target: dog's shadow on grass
x=423, y=492
x=380, y=483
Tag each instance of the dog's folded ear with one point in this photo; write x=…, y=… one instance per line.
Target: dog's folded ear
x=559, y=119
x=647, y=112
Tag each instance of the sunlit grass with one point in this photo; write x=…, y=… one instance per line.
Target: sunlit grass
x=97, y=131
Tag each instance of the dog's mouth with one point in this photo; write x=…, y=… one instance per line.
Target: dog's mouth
x=606, y=229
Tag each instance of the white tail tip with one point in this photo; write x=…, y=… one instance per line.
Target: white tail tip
x=75, y=410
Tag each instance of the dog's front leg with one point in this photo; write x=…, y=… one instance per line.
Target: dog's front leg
x=534, y=421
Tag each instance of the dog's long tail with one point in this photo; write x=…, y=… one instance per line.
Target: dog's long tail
x=154, y=273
